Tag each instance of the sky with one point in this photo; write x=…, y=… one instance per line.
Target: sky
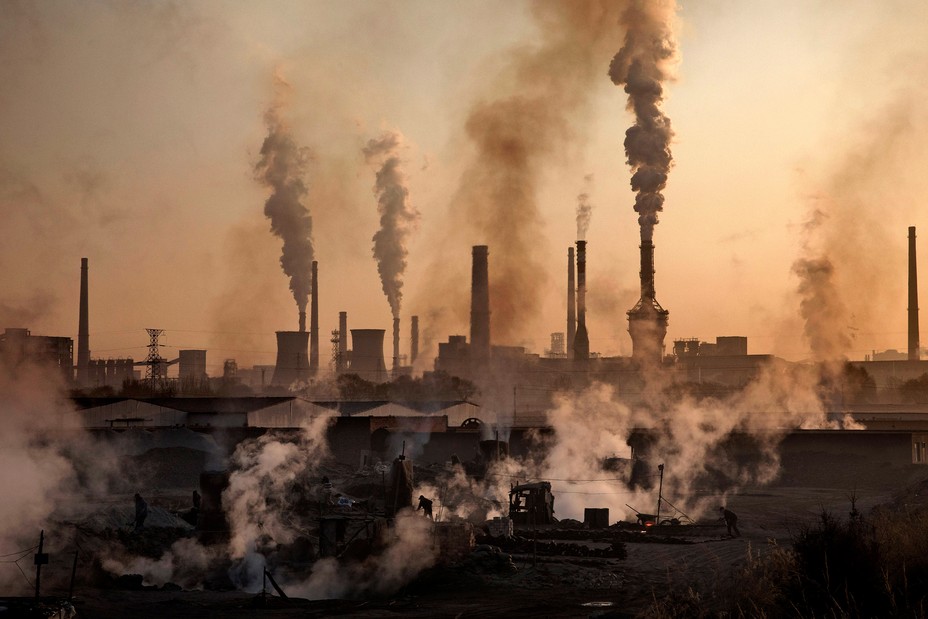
x=130, y=134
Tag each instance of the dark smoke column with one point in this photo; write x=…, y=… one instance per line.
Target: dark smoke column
x=281, y=169
x=641, y=66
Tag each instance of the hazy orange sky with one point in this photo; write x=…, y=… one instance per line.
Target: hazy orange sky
x=129, y=132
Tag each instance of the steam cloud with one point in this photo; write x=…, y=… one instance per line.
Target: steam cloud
x=641, y=66
x=398, y=217
x=584, y=210
x=281, y=168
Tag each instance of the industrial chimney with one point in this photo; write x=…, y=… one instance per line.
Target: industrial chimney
x=83, y=330
x=414, y=340
x=314, y=323
x=292, y=362
x=480, y=305
x=581, y=339
x=647, y=321
x=342, y=360
x=367, y=354
x=571, y=302
x=914, y=352
x=396, y=346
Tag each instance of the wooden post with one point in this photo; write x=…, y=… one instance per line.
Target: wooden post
x=73, y=576
x=40, y=559
x=660, y=491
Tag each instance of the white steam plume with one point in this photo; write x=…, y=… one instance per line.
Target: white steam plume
x=281, y=168
x=398, y=217
x=643, y=63
x=263, y=471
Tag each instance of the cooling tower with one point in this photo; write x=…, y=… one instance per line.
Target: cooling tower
x=367, y=354
x=581, y=339
x=914, y=352
x=480, y=304
x=192, y=365
x=571, y=302
x=292, y=360
x=414, y=340
x=647, y=321
x=83, y=330
x=341, y=361
x=314, y=322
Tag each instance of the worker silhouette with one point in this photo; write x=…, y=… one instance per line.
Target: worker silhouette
x=426, y=506
x=731, y=521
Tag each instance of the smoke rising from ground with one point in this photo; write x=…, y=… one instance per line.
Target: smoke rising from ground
x=641, y=66
x=398, y=217
x=281, y=167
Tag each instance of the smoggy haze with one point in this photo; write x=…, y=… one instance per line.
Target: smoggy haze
x=130, y=134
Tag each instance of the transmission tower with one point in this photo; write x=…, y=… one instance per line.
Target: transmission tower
x=154, y=370
x=335, y=340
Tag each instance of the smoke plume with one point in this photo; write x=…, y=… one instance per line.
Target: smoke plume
x=524, y=121
x=643, y=63
x=281, y=168
x=397, y=216
x=584, y=210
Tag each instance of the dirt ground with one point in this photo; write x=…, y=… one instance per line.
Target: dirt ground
x=699, y=557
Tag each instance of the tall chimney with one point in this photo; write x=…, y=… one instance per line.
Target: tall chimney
x=647, y=321
x=571, y=302
x=314, y=322
x=480, y=304
x=302, y=328
x=581, y=346
x=342, y=362
x=914, y=352
x=414, y=340
x=83, y=330
x=396, y=345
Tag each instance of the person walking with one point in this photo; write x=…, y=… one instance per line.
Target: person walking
x=731, y=521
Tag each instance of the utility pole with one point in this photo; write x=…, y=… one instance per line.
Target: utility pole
x=660, y=491
x=41, y=559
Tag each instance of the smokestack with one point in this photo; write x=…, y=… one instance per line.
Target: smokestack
x=396, y=345
x=314, y=322
x=83, y=330
x=292, y=362
x=342, y=361
x=414, y=340
x=302, y=328
x=571, y=302
x=914, y=352
x=480, y=304
x=647, y=321
x=581, y=339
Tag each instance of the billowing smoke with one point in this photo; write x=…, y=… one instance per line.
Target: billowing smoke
x=265, y=470
x=641, y=66
x=281, y=168
x=524, y=122
x=584, y=210
x=398, y=217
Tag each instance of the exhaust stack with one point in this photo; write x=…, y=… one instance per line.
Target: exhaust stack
x=396, y=346
x=581, y=339
x=480, y=304
x=571, y=302
x=647, y=321
x=314, y=322
x=83, y=329
x=914, y=351
x=414, y=340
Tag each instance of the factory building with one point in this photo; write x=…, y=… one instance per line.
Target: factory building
x=20, y=346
